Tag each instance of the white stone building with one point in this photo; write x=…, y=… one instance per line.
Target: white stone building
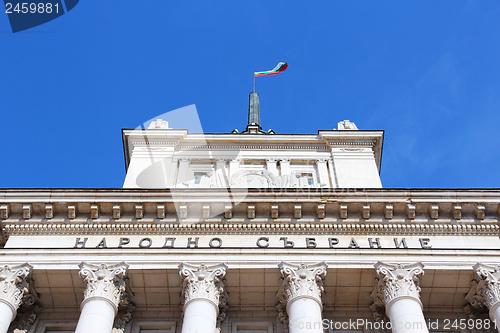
x=250, y=232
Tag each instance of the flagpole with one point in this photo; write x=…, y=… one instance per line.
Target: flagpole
x=254, y=83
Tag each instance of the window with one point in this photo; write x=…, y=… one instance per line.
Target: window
x=59, y=326
x=252, y=327
x=198, y=176
x=151, y=326
x=306, y=179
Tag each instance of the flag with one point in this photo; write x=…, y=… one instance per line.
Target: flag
x=276, y=70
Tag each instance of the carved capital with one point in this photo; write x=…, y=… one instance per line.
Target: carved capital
x=485, y=288
x=301, y=281
x=104, y=282
x=14, y=285
x=397, y=281
x=206, y=283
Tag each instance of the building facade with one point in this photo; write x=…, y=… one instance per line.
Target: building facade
x=250, y=232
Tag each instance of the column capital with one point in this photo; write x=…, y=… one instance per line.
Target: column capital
x=396, y=281
x=14, y=285
x=485, y=287
x=106, y=282
x=301, y=281
x=202, y=282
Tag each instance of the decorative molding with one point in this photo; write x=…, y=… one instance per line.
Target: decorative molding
x=228, y=211
x=27, y=211
x=389, y=211
x=297, y=211
x=361, y=228
x=485, y=288
x=411, y=211
x=274, y=211
x=366, y=211
x=160, y=211
x=94, y=211
x=434, y=211
x=49, y=211
x=104, y=282
x=334, y=144
x=206, y=211
x=72, y=212
x=139, y=211
x=265, y=178
x=320, y=210
x=251, y=147
x=117, y=211
x=183, y=211
x=207, y=283
x=480, y=211
x=4, y=212
x=14, y=285
x=343, y=211
x=396, y=281
x=301, y=281
x=251, y=211
x=457, y=211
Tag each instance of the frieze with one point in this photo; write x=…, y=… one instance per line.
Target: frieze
x=283, y=241
x=262, y=242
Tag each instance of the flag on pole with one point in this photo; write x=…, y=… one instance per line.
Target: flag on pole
x=276, y=70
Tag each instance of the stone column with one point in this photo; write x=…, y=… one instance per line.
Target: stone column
x=398, y=289
x=203, y=297
x=300, y=295
x=105, y=289
x=13, y=287
x=485, y=290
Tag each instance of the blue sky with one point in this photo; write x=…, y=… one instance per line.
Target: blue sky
x=427, y=72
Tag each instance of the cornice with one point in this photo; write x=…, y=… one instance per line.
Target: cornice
x=76, y=211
